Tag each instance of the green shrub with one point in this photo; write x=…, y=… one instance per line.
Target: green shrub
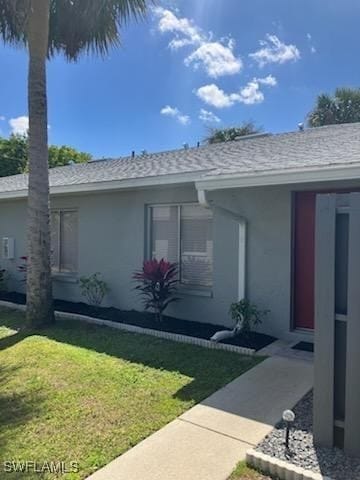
x=94, y=289
x=247, y=314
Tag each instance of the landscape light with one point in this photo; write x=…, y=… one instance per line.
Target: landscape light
x=289, y=417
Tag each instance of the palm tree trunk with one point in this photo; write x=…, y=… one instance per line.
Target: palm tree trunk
x=39, y=288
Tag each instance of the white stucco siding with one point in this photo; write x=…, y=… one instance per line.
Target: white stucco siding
x=268, y=259
x=112, y=238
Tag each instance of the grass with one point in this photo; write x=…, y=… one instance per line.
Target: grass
x=243, y=472
x=84, y=393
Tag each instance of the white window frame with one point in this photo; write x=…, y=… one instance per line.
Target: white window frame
x=58, y=271
x=149, y=253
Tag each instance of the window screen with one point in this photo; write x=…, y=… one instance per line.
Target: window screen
x=55, y=241
x=68, y=243
x=64, y=241
x=183, y=234
x=196, y=246
x=165, y=237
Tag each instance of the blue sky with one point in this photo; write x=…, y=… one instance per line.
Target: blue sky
x=193, y=64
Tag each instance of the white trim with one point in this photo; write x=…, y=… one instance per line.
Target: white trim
x=242, y=261
x=65, y=277
x=280, y=177
x=194, y=291
x=210, y=182
x=160, y=180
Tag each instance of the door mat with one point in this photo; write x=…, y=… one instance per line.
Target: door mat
x=304, y=346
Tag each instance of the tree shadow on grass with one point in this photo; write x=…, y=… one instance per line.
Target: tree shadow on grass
x=16, y=408
x=208, y=369
x=17, y=405
x=15, y=321
x=13, y=339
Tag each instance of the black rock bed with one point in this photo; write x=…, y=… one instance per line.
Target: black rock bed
x=252, y=340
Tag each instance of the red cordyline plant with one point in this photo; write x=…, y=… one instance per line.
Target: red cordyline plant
x=157, y=284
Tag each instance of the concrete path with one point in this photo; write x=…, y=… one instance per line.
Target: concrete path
x=206, y=442
x=284, y=348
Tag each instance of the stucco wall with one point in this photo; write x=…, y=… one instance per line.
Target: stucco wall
x=268, y=269
x=112, y=240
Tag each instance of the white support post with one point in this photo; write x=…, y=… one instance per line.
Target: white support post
x=242, y=261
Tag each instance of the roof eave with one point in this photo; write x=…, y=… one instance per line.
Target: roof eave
x=279, y=177
x=113, y=185
x=214, y=182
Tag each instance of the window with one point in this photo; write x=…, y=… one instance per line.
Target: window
x=64, y=241
x=183, y=234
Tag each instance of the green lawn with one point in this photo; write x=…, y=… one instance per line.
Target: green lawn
x=84, y=393
x=243, y=472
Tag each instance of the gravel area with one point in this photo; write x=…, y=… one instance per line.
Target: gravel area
x=330, y=462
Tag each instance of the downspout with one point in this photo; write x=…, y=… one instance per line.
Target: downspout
x=203, y=201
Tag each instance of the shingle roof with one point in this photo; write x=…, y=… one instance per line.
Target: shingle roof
x=318, y=147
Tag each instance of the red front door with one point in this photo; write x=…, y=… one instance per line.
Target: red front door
x=304, y=238
x=304, y=256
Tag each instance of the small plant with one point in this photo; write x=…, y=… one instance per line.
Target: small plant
x=247, y=315
x=94, y=289
x=157, y=283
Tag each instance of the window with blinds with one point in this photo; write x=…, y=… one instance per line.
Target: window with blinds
x=183, y=234
x=64, y=241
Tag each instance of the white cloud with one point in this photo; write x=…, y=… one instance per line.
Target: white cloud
x=19, y=125
x=250, y=94
x=270, y=81
x=217, y=58
x=169, y=22
x=175, y=113
x=312, y=48
x=172, y=112
x=214, y=96
x=208, y=117
x=274, y=51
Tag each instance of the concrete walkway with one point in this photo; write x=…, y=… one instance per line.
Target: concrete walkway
x=283, y=348
x=206, y=442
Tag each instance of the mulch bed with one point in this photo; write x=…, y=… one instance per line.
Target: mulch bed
x=252, y=340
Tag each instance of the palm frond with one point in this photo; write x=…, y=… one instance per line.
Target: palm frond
x=342, y=107
x=75, y=26
x=13, y=20
x=219, y=135
x=89, y=26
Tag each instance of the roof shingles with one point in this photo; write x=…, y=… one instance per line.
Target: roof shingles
x=324, y=146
